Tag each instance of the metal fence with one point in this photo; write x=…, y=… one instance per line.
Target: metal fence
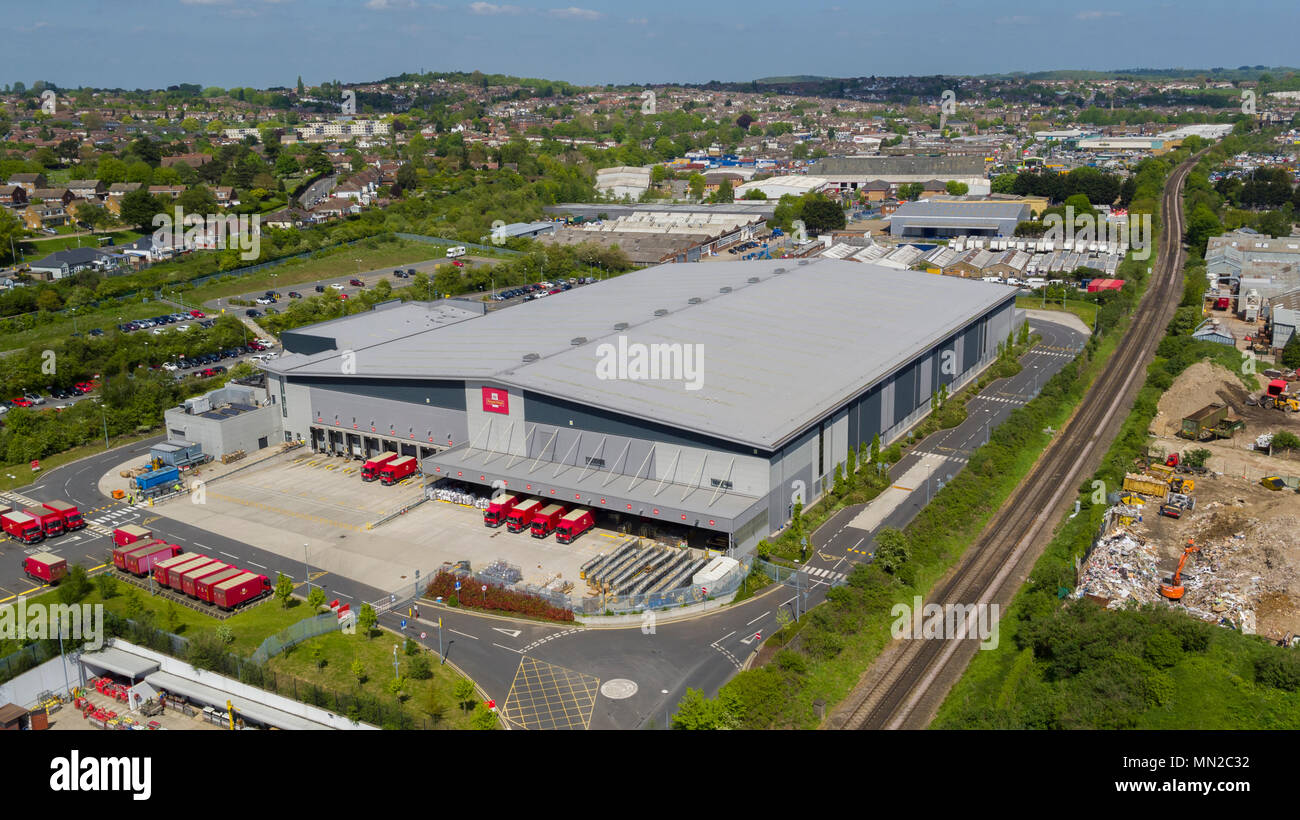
x=294, y=635
x=448, y=243
x=25, y=659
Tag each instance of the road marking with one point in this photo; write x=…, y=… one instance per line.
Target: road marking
x=228, y=555
x=724, y=637
x=340, y=594
x=499, y=646
x=259, y=566
x=514, y=633
x=760, y=617
x=449, y=629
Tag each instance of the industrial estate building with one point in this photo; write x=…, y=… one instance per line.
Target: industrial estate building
x=852, y=173
x=700, y=400
x=931, y=219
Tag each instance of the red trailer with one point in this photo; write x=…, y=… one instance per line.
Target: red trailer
x=45, y=566
x=240, y=590
x=72, y=519
x=203, y=586
x=172, y=577
x=546, y=520
x=189, y=580
x=397, y=469
x=51, y=522
x=574, y=523
x=141, y=560
x=522, y=515
x=130, y=534
x=370, y=470
x=498, y=509
x=22, y=527
x=160, y=568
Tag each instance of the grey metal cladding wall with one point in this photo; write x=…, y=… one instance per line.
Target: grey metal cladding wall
x=869, y=421
x=548, y=410
x=905, y=392
x=941, y=377
x=971, y=348
x=426, y=393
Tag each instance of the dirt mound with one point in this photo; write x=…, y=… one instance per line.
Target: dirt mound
x=1201, y=384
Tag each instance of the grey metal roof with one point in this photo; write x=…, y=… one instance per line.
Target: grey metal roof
x=777, y=353
x=961, y=211
x=259, y=712
x=126, y=664
x=890, y=166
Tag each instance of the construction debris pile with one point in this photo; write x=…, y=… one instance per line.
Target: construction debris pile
x=456, y=492
x=1120, y=567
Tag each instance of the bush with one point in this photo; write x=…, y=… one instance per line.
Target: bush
x=497, y=598
x=420, y=667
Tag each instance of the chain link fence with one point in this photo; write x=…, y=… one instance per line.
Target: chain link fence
x=294, y=635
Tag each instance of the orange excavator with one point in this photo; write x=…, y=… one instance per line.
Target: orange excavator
x=1174, y=591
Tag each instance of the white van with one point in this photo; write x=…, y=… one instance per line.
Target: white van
x=458, y=250
x=1036, y=282
x=994, y=279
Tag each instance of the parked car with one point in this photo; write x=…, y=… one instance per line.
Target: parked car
x=264, y=300
x=94, y=331
x=356, y=283
x=320, y=288
x=343, y=297
x=252, y=314
x=198, y=314
x=20, y=402
x=458, y=263
x=336, y=286
x=293, y=294
x=34, y=397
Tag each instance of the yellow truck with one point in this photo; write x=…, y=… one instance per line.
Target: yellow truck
x=1146, y=485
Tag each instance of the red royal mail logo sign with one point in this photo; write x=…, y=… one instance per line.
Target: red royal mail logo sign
x=496, y=400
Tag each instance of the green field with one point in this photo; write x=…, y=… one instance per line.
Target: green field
x=56, y=326
x=36, y=248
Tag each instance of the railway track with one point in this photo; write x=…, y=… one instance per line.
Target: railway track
x=910, y=679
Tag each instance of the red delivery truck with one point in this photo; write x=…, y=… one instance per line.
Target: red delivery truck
x=130, y=534
x=498, y=508
x=72, y=519
x=160, y=568
x=574, y=523
x=140, y=561
x=22, y=527
x=203, y=586
x=240, y=590
x=45, y=566
x=51, y=522
x=397, y=469
x=172, y=578
x=189, y=580
x=546, y=520
x=521, y=516
x=370, y=470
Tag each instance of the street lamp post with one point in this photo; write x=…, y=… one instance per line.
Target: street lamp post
x=306, y=568
x=395, y=663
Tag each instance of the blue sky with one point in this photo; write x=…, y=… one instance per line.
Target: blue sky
x=155, y=43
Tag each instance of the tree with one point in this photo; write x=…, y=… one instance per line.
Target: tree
x=75, y=585
x=283, y=589
x=957, y=188
x=107, y=586
x=1201, y=225
x=696, y=186
x=367, y=620
x=892, y=550
x=1286, y=440
x=696, y=712
x=910, y=190
x=358, y=671
x=11, y=230
x=1291, y=352
x=316, y=599
x=198, y=200
x=420, y=667
x=48, y=299
x=820, y=214
x=483, y=718
x=754, y=193
x=464, y=692
x=725, y=193
x=139, y=208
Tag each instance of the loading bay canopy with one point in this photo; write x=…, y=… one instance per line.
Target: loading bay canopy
x=256, y=712
x=126, y=664
x=706, y=507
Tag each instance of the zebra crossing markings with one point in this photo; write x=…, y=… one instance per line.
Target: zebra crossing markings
x=818, y=572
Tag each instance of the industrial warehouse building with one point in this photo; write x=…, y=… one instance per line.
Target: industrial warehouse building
x=556, y=398
x=933, y=219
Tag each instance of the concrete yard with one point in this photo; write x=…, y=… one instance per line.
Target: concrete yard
x=298, y=498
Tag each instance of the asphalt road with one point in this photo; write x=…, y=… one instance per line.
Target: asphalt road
x=317, y=191
x=661, y=659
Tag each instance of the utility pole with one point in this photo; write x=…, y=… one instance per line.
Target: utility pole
x=104, y=415
x=306, y=568
x=395, y=664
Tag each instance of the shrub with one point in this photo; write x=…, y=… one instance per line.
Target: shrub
x=497, y=598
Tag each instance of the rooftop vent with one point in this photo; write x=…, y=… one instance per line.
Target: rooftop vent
x=724, y=289
x=661, y=312
x=579, y=340
x=753, y=280
x=694, y=300
x=531, y=357
x=620, y=326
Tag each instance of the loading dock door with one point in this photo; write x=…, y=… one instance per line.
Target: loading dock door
x=336, y=442
x=408, y=449
x=317, y=439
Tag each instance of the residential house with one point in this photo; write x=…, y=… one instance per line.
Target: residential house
x=29, y=181
x=69, y=261
x=876, y=191
x=192, y=160
x=225, y=196
x=167, y=191
x=933, y=188
x=91, y=189
x=287, y=218
x=63, y=196
x=45, y=215
x=13, y=195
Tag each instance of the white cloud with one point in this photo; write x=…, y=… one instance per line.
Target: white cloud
x=575, y=13
x=1096, y=14
x=204, y=2
x=493, y=9
x=386, y=5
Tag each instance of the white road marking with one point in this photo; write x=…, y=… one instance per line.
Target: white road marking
x=259, y=566
x=499, y=646
x=449, y=629
x=228, y=555
x=760, y=617
x=514, y=633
